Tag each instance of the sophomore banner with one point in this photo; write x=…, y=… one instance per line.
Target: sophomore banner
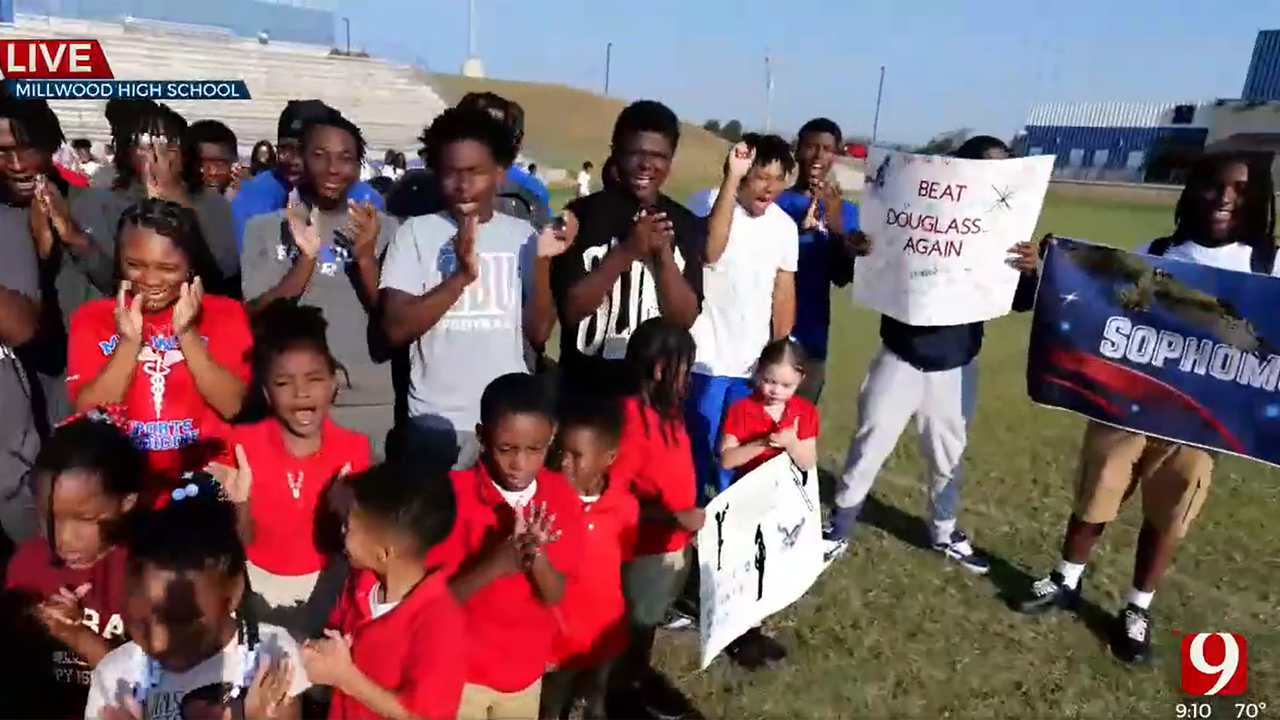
x=940, y=230
x=759, y=551
x=1163, y=347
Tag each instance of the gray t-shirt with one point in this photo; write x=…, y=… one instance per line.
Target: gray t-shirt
x=19, y=441
x=482, y=335
x=268, y=254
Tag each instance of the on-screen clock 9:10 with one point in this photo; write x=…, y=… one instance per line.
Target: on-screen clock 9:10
x=1193, y=711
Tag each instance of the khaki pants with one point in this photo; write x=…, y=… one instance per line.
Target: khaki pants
x=1115, y=463
x=482, y=703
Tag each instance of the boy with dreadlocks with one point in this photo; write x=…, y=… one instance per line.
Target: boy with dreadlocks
x=187, y=620
x=1225, y=218
x=148, y=162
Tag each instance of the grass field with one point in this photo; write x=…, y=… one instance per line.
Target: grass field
x=891, y=630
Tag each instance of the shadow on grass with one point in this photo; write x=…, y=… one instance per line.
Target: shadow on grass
x=1011, y=581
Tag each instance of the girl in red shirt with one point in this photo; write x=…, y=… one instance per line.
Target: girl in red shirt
x=64, y=589
x=293, y=456
x=770, y=421
x=172, y=359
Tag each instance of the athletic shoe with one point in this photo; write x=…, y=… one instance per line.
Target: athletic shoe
x=681, y=616
x=958, y=548
x=1131, y=640
x=832, y=550
x=1048, y=593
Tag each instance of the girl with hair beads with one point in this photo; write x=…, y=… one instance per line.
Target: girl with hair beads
x=64, y=590
x=187, y=620
x=292, y=458
x=172, y=359
x=655, y=457
x=770, y=421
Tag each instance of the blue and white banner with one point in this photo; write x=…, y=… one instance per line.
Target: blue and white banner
x=1163, y=347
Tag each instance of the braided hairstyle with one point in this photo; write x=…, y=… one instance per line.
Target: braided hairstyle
x=178, y=223
x=1256, y=224
x=34, y=125
x=660, y=355
x=90, y=444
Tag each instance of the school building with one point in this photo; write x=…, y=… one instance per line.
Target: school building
x=1155, y=142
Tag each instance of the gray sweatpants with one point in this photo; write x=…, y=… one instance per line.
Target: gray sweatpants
x=440, y=449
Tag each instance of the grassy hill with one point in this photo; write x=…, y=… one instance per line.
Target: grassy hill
x=565, y=126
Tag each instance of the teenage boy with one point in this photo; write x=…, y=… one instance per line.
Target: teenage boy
x=829, y=242
x=637, y=254
x=459, y=286
x=749, y=286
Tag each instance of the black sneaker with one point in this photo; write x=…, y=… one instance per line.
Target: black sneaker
x=1131, y=641
x=1047, y=594
x=958, y=548
x=771, y=648
x=746, y=651
x=661, y=700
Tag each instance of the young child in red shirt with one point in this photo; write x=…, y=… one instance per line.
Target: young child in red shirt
x=655, y=458
x=396, y=646
x=294, y=455
x=520, y=528
x=64, y=592
x=770, y=421
x=593, y=613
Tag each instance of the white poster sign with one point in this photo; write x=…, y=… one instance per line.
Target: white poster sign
x=940, y=229
x=760, y=550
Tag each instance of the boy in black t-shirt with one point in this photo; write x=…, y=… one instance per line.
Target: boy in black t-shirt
x=637, y=254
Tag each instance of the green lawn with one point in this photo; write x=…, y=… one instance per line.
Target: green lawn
x=894, y=631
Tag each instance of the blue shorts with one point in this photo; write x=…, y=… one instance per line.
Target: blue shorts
x=709, y=399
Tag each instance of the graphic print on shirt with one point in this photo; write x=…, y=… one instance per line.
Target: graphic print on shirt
x=331, y=261
x=70, y=667
x=492, y=300
x=156, y=360
x=632, y=300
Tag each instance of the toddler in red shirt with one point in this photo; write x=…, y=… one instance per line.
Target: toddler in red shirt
x=770, y=421
x=593, y=613
x=64, y=596
x=656, y=459
x=294, y=456
x=397, y=642
x=520, y=529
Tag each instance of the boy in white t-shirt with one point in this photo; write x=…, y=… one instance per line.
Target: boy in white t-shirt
x=584, y=179
x=1226, y=219
x=748, y=292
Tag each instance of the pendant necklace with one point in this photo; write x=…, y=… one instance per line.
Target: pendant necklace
x=295, y=484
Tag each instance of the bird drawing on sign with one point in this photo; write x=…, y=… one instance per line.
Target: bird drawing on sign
x=720, y=515
x=790, y=535
x=760, y=558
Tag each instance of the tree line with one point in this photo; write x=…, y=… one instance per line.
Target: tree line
x=941, y=144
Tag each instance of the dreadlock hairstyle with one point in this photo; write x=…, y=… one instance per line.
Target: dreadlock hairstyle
x=977, y=147
x=646, y=116
x=132, y=122
x=282, y=326
x=90, y=443
x=770, y=149
x=178, y=223
x=458, y=124
x=659, y=355
x=35, y=125
x=195, y=531
x=1257, y=214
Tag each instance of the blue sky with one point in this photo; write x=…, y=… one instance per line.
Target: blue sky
x=950, y=63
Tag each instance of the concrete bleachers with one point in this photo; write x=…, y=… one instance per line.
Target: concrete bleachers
x=391, y=103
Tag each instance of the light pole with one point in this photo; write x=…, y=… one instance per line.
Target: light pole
x=768, y=92
x=608, y=63
x=875, y=123
x=346, y=21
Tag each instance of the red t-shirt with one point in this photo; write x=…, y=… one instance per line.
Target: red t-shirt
x=511, y=630
x=416, y=650
x=284, y=525
x=49, y=680
x=72, y=177
x=748, y=422
x=164, y=413
x=593, y=612
x=655, y=457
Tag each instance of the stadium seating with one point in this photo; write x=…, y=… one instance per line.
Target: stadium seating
x=391, y=103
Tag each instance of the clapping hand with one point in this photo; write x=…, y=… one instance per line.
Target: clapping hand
x=738, y=163
x=128, y=314
x=270, y=688
x=61, y=613
x=364, y=226
x=235, y=482
x=464, y=247
x=187, y=309
x=558, y=236
x=303, y=228
x=327, y=660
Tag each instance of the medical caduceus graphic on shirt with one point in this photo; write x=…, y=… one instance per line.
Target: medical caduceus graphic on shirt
x=632, y=300
x=156, y=359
